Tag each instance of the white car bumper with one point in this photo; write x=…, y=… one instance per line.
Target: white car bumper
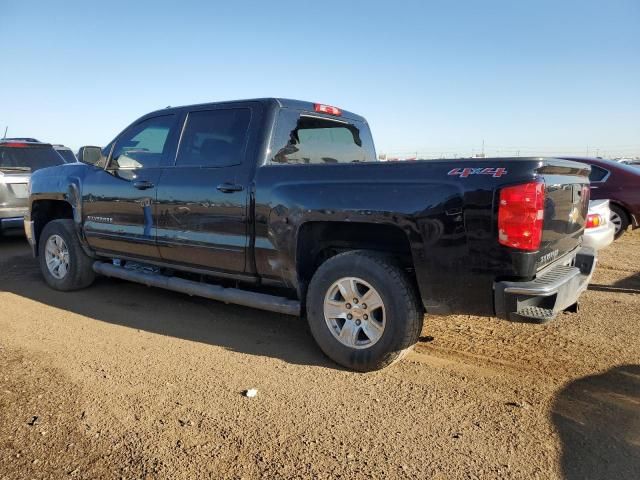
x=599, y=237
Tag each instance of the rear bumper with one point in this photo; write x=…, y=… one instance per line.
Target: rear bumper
x=600, y=237
x=540, y=300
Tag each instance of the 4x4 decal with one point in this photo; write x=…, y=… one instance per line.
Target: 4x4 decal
x=465, y=172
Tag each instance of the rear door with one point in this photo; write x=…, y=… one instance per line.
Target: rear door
x=119, y=211
x=203, y=199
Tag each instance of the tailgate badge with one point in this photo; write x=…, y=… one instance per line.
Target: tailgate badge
x=465, y=172
x=549, y=257
x=574, y=214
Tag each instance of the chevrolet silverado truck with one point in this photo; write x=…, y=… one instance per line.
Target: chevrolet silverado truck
x=282, y=205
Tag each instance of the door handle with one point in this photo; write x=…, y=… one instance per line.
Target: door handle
x=143, y=185
x=229, y=187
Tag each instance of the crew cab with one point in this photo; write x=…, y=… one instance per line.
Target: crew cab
x=282, y=205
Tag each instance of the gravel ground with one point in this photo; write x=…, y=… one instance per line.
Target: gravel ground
x=124, y=381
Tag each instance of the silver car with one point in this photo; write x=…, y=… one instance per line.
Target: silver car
x=599, y=229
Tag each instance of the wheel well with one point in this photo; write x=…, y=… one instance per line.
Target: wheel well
x=44, y=211
x=625, y=211
x=319, y=241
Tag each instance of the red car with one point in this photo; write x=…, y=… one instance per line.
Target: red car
x=620, y=183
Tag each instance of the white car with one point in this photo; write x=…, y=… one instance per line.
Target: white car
x=599, y=229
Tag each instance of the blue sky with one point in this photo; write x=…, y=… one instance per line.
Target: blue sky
x=434, y=77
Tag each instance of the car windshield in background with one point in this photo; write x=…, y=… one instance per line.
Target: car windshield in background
x=68, y=155
x=28, y=158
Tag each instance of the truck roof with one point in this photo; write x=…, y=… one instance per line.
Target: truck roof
x=272, y=101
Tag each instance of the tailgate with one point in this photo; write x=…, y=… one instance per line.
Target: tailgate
x=565, y=209
x=14, y=190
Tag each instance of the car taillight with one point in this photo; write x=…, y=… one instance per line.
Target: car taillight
x=594, y=220
x=521, y=216
x=14, y=144
x=320, y=108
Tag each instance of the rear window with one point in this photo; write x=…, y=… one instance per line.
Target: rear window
x=28, y=159
x=302, y=138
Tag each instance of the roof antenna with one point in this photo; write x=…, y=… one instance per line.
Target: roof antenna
x=5, y=131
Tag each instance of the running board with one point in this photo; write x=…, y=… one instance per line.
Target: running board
x=245, y=298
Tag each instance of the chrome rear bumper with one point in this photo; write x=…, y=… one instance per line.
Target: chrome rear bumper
x=541, y=299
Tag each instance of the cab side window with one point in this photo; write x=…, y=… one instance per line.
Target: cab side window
x=214, y=138
x=143, y=145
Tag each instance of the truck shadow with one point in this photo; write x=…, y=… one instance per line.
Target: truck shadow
x=135, y=306
x=598, y=420
x=630, y=284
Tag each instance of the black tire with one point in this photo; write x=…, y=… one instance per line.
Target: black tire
x=403, y=311
x=80, y=273
x=624, y=220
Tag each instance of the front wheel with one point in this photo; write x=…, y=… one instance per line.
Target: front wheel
x=363, y=310
x=64, y=264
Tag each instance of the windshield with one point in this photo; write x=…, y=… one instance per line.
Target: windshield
x=28, y=159
x=68, y=155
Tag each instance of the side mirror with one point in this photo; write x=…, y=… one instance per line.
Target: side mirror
x=90, y=154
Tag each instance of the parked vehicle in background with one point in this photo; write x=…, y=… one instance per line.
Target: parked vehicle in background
x=599, y=230
x=633, y=163
x=66, y=153
x=19, y=158
x=284, y=206
x=620, y=183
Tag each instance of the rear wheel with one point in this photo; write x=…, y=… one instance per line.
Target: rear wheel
x=64, y=264
x=620, y=219
x=363, y=310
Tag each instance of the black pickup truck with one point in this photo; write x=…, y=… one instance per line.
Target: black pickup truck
x=282, y=205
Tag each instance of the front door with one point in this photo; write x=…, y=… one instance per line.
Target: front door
x=119, y=214
x=203, y=199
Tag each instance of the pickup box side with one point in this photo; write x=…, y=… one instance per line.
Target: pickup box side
x=444, y=225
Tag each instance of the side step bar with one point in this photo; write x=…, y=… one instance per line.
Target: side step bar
x=262, y=301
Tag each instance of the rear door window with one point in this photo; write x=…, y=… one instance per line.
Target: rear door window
x=302, y=138
x=214, y=138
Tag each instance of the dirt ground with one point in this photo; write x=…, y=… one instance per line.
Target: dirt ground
x=125, y=381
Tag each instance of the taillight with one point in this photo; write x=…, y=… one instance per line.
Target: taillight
x=521, y=216
x=320, y=108
x=594, y=220
x=14, y=144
